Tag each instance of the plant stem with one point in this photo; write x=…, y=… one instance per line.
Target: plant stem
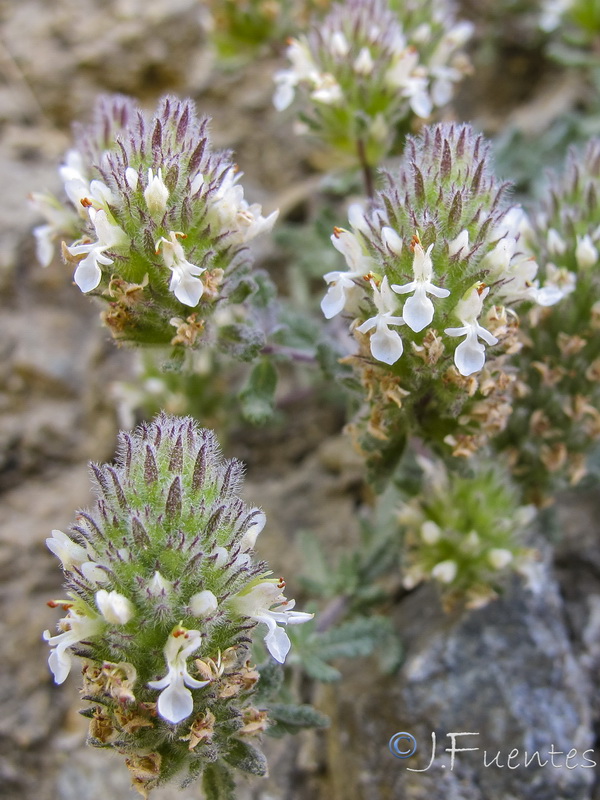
x=281, y=350
x=366, y=168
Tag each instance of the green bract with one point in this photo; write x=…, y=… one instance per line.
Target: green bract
x=463, y=530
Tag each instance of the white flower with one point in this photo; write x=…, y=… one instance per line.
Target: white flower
x=156, y=194
x=357, y=219
x=469, y=356
x=303, y=68
x=249, y=538
x=159, y=586
x=338, y=44
x=242, y=221
x=202, y=604
x=556, y=244
x=391, y=240
x=114, y=607
x=74, y=556
x=185, y=283
x=76, y=628
x=327, y=90
x=175, y=701
x=499, y=557
x=256, y=603
x=498, y=259
x=403, y=64
x=418, y=309
x=88, y=273
x=342, y=283
x=445, y=571
x=517, y=281
x=386, y=345
x=78, y=188
x=363, y=65
x=69, y=552
x=132, y=178
x=86, y=195
x=459, y=243
x=430, y=532
x=559, y=284
x=442, y=87
x=418, y=97
x=411, y=80
x=586, y=254
x=59, y=220
x=514, y=223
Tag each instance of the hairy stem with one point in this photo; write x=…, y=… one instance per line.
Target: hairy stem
x=366, y=168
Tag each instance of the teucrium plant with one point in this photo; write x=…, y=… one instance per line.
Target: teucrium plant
x=160, y=226
x=367, y=69
x=163, y=597
x=436, y=266
x=556, y=421
x=463, y=531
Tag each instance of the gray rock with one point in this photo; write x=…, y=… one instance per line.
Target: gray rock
x=505, y=672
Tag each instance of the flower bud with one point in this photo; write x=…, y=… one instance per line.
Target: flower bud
x=440, y=538
x=114, y=607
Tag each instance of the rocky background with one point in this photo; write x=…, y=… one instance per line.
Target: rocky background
x=521, y=672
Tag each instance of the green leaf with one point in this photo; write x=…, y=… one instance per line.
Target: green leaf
x=297, y=717
x=258, y=396
x=217, y=782
x=244, y=289
x=316, y=572
x=247, y=758
x=271, y=681
x=266, y=290
x=391, y=654
x=316, y=668
x=357, y=637
x=243, y=342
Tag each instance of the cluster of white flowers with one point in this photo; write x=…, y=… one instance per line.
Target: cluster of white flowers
x=262, y=601
x=365, y=40
x=182, y=215
x=208, y=593
x=509, y=265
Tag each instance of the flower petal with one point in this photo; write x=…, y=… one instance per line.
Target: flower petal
x=469, y=356
x=175, y=702
x=386, y=345
x=418, y=310
x=88, y=275
x=335, y=299
x=277, y=642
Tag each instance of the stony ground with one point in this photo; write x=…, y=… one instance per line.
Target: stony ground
x=523, y=670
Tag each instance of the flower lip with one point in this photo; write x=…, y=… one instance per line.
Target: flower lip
x=265, y=602
x=469, y=356
x=175, y=702
x=418, y=310
x=386, y=345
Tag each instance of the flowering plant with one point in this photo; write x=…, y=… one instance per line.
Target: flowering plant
x=163, y=596
x=367, y=68
x=161, y=227
x=436, y=267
